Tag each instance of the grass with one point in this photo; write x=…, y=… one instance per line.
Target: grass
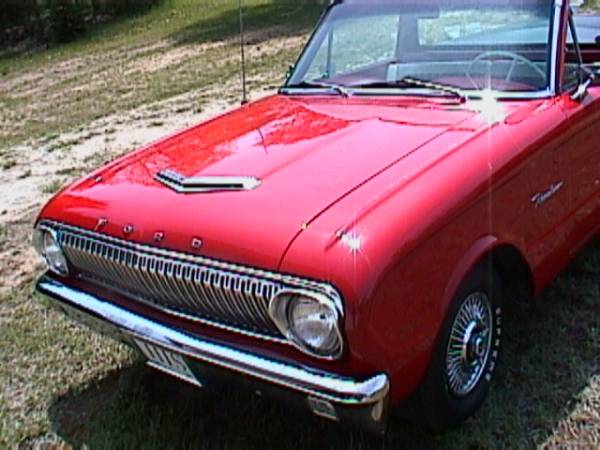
x=9, y=164
x=37, y=362
x=187, y=21
x=118, y=67
x=593, y=5
x=52, y=187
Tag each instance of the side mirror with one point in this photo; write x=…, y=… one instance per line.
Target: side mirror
x=290, y=72
x=582, y=90
x=597, y=39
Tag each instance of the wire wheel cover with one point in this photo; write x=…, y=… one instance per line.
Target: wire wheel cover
x=469, y=345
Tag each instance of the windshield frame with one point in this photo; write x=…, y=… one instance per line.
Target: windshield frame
x=549, y=91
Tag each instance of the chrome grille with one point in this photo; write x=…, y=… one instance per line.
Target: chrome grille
x=194, y=287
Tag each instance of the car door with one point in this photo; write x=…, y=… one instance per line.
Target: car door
x=582, y=144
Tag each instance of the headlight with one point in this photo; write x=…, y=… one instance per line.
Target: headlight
x=310, y=320
x=46, y=244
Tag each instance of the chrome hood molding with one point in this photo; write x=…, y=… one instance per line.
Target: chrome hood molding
x=205, y=184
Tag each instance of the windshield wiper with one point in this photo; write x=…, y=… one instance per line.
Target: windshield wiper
x=342, y=90
x=408, y=82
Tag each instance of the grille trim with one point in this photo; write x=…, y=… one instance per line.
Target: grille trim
x=220, y=294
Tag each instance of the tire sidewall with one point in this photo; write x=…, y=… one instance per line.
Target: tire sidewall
x=449, y=409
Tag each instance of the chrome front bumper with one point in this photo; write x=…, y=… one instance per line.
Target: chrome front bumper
x=360, y=402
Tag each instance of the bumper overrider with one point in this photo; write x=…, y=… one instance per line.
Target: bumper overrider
x=361, y=403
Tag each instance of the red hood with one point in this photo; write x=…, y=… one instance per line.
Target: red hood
x=308, y=154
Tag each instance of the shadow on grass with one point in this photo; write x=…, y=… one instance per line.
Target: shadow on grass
x=549, y=357
x=217, y=21
x=261, y=22
x=54, y=29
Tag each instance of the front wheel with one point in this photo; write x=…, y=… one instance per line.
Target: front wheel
x=466, y=355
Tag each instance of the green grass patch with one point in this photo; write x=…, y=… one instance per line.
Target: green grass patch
x=52, y=187
x=177, y=47
x=8, y=164
x=186, y=21
x=43, y=355
x=592, y=4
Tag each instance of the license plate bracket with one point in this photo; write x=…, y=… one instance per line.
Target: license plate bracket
x=167, y=361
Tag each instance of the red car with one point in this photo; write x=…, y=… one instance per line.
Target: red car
x=350, y=241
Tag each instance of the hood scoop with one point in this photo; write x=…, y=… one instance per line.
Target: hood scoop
x=205, y=184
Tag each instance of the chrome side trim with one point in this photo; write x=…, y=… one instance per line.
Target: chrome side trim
x=554, y=75
x=323, y=385
x=195, y=185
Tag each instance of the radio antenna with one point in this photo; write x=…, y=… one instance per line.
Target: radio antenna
x=244, y=90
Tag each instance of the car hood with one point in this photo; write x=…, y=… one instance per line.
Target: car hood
x=308, y=153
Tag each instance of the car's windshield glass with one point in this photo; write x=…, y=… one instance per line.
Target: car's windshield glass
x=500, y=45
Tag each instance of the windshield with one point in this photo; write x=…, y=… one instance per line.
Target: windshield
x=499, y=45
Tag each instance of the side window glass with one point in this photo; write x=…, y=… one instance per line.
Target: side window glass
x=588, y=27
x=470, y=26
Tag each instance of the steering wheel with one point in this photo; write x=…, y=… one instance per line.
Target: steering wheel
x=503, y=55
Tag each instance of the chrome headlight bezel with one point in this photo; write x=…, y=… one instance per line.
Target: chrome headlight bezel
x=281, y=309
x=56, y=261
